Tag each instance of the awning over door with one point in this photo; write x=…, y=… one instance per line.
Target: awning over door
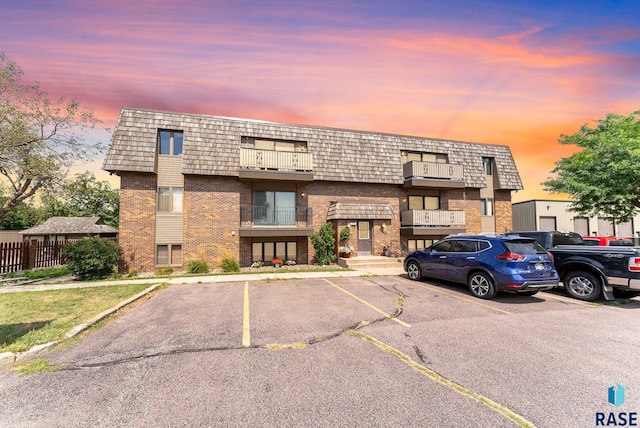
x=360, y=211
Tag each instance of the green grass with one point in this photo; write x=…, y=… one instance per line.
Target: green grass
x=38, y=366
x=36, y=317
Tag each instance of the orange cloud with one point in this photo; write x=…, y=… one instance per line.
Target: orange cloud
x=330, y=66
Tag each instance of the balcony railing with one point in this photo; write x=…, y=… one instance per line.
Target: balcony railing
x=276, y=160
x=259, y=216
x=446, y=171
x=433, y=218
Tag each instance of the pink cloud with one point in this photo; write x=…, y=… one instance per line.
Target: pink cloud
x=518, y=87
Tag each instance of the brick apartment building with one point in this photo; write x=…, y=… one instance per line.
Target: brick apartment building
x=204, y=187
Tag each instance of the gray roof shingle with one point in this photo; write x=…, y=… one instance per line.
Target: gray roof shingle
x=212, y=147
x=71, y=225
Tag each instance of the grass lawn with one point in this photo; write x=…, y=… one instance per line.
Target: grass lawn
x=36, y=317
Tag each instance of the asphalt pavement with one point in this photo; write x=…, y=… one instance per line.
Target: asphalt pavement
x=345, y=350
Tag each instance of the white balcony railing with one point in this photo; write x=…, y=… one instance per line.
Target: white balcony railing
x=433, y=218
x=447, y=171
x=277, y=160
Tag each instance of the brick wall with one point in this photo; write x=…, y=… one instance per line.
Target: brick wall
x=472, y=215
x=137, y=221
x=211, y=218
x=320, y=194
x=504, y=213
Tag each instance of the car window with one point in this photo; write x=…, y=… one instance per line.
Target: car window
x=483, y=245
x=524, y=247
x=567, y=239
x=621, y=242
x=442, y=246
x=465, y=246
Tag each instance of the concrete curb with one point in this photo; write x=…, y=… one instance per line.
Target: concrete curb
x=11, y=357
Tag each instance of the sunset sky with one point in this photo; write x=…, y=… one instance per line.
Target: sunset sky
x=511, y=72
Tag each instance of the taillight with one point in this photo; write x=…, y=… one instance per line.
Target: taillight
x=510, y=257
x=634, y=264
x=550, y=256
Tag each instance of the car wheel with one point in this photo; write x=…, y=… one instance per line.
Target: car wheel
x=583, y=285
x=482, y=286
x=528, y=293
x=413, y=270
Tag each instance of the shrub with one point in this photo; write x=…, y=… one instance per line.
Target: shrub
x=197, y=266
x=229, y=264
x=92, y=258
x=324, y=244
x=165, y=271
x=345, y=235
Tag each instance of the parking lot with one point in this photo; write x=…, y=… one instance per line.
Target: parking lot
x=353, y=351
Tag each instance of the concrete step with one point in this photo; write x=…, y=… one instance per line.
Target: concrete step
x=369, y=261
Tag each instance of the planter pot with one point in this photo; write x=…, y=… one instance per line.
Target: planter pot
x=345, y=255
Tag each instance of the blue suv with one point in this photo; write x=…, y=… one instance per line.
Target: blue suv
x=487, y=264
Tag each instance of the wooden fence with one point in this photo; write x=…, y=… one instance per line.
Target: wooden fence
x=20, y=256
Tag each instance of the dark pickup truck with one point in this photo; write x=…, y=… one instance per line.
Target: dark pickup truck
x=587, y=272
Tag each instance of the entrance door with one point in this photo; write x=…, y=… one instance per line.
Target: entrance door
x=364, y=238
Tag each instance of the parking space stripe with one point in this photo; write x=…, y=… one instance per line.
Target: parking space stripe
x=402, y=323
x=440, y=290
x=518, y=419
x=246, y=329
x=570, y=300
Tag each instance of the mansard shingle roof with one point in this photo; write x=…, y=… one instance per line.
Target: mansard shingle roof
x=212, y=147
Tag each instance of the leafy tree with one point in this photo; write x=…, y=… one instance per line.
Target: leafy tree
x=22, y=216
x=604, y=177
x=83, y=196
x=324, y=244
x=39, y=138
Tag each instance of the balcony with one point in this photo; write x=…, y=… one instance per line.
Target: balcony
x=261, y=221
x=258, y=164
x=432, y=222
x=433, y=175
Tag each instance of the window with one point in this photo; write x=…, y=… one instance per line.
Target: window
x=170, y=142
x=424, y=202
x=271, y=208
x=266, y=251
x=169, y=254
x=418, y=244
x=487, y=164
x=279, y=145
x=486, y=207
x=170, y=199
x=427, y=157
